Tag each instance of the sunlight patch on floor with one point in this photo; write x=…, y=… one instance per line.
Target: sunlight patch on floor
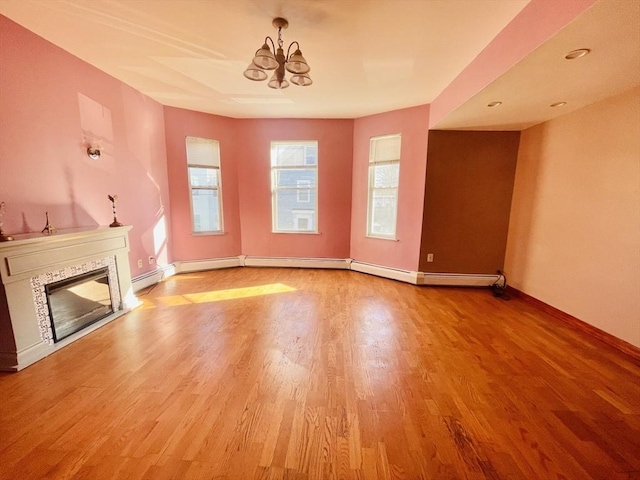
x=219, y=295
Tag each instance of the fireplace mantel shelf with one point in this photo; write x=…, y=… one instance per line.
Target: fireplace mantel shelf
x=21, y=239
x=37, y=253
x=31, y=256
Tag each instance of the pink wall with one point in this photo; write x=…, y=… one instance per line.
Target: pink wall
x=51, y=103
x=413, y=124
x=534, y=25
x=185, y=245
x=574, y=234
x=335, y=146
x=68, y=103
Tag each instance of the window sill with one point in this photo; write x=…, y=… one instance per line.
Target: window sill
x=390, y=239
x=207, y=234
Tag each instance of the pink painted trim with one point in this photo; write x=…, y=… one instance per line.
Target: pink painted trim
x=534, y=25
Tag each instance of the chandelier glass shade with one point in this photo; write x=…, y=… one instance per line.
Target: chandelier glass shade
x=272, y=58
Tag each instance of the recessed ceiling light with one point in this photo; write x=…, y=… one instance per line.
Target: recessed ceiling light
x=581, y=52
x=558, y=104
x=494, y=104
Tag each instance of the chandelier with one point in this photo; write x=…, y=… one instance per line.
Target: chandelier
x=267, y=59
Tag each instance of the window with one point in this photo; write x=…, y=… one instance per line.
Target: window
x=384, y=170
x=294, y=186
x=203, y=164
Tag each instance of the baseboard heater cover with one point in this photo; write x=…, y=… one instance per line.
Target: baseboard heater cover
x=386, y=272
x=457, y=279
x=151, y=278
x=428, y=279
x=407, y=276
x=290, y=262
x=187, y=266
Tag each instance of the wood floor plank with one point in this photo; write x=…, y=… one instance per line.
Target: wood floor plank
x=315, y=374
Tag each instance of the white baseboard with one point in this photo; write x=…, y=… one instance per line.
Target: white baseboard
x=386, y=272
x=456, y=279
x=31, y=355
x=209, y=264
x=289, y=262
x=151, y=278
x=408, y=276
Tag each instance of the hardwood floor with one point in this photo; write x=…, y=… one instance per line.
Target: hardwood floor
x=313, y=374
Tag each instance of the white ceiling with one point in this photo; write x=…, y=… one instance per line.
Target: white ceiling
x=366, y=56
x=610, y=29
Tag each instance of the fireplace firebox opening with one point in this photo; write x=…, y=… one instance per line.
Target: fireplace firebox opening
x=77, y=302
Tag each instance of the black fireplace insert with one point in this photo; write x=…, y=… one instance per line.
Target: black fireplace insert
x=77, y=302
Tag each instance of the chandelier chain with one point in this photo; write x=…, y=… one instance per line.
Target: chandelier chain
x=280, y=42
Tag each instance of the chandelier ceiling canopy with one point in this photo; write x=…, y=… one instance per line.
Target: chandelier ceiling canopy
x=269, y=58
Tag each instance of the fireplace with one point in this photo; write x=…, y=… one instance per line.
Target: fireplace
x=55, y=289
x=77, y=302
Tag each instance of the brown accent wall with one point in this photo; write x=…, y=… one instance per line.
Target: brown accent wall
x=467, y=200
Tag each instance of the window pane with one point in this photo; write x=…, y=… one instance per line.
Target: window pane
x=203, y=177
x=304, y=192
x=383, y=212
x=292, y=154
x=203, y=172
x=384, y=170
x=386, y=175
x=303, y=223
x=291, y=176
x=206, y=208
x=311, y=155
x=294, y=178
x=293, y=215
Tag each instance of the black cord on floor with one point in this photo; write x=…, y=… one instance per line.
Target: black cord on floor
x=146, y=291
x=499, y=287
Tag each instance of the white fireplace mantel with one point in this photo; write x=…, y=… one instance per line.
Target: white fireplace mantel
x=32, y=256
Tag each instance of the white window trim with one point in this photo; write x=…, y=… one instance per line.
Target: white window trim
x=274, y=190
x=370, y=189
x=217, y=187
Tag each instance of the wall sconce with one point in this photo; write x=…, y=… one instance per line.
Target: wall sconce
x=94, y=152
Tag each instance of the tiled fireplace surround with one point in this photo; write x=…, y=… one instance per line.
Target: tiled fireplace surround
x=32, y=261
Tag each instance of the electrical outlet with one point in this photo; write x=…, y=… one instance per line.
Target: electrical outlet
x=151, y=260
x=139, y=263
x=429, y=257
